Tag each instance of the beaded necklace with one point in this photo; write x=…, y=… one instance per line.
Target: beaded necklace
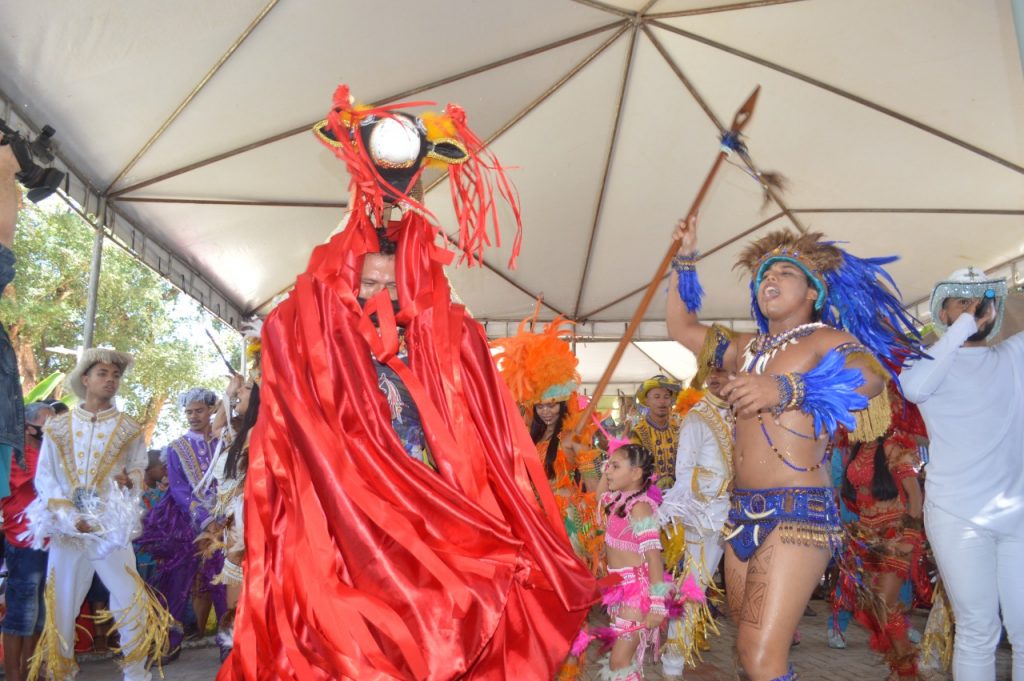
x=825, y=457
x=764, y=346
x=756, y=356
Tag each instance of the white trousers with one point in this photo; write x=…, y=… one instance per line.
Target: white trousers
x=72, y=572
x=981, y=570
x=672, y=662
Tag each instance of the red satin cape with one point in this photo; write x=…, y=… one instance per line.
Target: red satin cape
x=361, y=562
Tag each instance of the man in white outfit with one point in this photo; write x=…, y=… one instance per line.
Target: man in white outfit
x=972, y=398
x=698, y=504
x=88, y=480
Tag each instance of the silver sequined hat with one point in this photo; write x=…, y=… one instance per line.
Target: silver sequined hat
x=969, y=282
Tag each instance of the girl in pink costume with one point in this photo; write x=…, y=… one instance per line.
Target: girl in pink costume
x=636, y=602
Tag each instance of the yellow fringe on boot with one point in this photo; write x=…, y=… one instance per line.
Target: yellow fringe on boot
x=937, y=641
x=50, y=649
x=153, y=623
x=673, y=542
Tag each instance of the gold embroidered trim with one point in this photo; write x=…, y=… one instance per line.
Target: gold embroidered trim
x=51, y=645
x=189, y=459
x=432, y=154
x=713, y=339
x=59, y=430
x=712, y=416
x=318, y=129
x=937, y=642
x=124, y=433
x=810, y=534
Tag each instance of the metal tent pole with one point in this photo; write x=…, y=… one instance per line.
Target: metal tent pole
x=94, y=276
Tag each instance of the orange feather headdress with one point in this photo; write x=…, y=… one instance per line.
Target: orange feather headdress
x=538, y=366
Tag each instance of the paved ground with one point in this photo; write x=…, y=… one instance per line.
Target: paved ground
x=813, y=659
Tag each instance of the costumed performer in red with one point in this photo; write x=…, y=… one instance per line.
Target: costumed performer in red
x=363, y=561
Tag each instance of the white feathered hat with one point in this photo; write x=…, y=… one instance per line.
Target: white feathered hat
x=90, y=358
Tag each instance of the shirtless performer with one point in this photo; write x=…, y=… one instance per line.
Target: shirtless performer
x=825, y=319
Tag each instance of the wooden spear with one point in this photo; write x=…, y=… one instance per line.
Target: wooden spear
x=739, y=121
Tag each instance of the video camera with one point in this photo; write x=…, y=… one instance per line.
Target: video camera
x=33, y=156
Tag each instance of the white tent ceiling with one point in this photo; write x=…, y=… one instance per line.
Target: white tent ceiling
x=899, y=124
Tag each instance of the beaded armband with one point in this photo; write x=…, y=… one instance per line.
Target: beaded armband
x=792, y=391
x=659, y=593
x=589, y=461
x=648, y=534
x=688, y=285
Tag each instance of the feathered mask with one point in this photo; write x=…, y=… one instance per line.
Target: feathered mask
x=386, y=151
x=251, y=331
x=538, y=367
x=854, y=294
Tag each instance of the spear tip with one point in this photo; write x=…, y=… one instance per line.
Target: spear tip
x=746, y=111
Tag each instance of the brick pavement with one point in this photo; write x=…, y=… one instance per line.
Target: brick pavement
x=813, y=658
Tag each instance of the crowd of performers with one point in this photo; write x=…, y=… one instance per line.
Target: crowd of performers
x=387, y=494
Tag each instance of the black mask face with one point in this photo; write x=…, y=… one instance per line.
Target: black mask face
x=373, y=316
x=34, y=431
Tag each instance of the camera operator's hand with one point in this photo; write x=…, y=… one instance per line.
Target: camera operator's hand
x=8, y=164
x=983, y=310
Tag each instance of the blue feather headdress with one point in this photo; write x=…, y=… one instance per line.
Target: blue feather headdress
x=854, y=294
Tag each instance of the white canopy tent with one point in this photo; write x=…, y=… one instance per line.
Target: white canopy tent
x=899, y=124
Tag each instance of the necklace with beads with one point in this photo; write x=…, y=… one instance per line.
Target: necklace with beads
x=784, y=458
x=765, y=346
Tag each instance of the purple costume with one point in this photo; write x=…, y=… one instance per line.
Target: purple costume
x=169, y=531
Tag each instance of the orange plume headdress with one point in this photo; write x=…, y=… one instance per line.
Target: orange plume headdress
x=538, y=366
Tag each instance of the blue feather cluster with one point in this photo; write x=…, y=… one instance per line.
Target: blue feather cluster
x=690, y=290
x=830, y=394
x=755, y=311
x=731, y=141
x=860, y=303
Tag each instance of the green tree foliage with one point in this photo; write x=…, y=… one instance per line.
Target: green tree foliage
x=138, y=312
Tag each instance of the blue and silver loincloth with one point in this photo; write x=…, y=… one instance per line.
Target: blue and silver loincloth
x=802, y=515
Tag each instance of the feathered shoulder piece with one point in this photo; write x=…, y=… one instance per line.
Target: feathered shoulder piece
x=538, y=366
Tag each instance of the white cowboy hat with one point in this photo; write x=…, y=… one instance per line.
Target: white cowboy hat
x=90, y=358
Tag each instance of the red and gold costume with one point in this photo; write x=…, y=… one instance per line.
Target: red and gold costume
x=887, y=539
x=361, y=562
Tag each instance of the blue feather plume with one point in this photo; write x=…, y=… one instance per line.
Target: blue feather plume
x=690, y=290
x=830, y=394
x=860, y=302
